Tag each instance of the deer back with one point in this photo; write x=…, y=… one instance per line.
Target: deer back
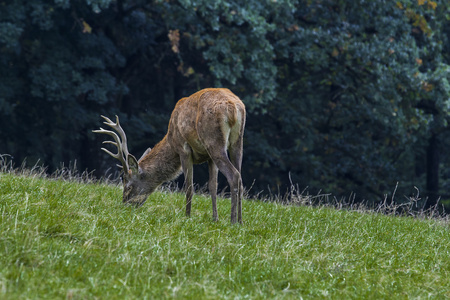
x=210, y=115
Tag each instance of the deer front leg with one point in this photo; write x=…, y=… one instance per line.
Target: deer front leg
x=188, y=169
x=212, y=186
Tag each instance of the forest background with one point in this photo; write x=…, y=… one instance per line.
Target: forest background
x=343, y=97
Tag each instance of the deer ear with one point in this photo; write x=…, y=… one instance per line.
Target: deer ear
x=145, y=153
x=133, y=164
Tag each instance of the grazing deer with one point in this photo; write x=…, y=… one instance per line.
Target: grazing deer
x=201, y=129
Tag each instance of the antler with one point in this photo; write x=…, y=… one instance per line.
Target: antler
x=120, y=143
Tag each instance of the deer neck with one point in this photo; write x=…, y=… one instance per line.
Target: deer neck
x=161, y=164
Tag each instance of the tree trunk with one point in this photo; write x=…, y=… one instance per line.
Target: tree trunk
x=433, y=170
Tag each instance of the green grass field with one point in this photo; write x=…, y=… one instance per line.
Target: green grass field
x=69, y=240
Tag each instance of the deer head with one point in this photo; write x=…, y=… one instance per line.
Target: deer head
x=135, y=190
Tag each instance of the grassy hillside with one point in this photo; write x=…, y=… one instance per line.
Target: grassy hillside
x=70, y=240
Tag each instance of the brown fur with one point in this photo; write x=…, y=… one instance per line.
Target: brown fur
x=202, y=128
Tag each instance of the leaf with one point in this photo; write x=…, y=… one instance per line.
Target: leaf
x=86, y=27
x=335, y=52
x=174, y=37
x=432, y=4
x=427, y=86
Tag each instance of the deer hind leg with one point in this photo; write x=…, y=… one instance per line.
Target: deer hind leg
x=220, y=158
x=212, y=186
x=188, y=170
x=236, y=151
x=216, y=146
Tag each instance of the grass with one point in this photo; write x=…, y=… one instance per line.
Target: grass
x=71, y=240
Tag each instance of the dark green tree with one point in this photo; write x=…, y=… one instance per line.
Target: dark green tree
x=341, y=96
x=431, y=30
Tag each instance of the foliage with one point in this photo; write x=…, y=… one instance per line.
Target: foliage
x=341, y=96
x=70, y=240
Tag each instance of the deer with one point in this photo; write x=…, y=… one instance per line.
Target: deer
x=207, y=126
